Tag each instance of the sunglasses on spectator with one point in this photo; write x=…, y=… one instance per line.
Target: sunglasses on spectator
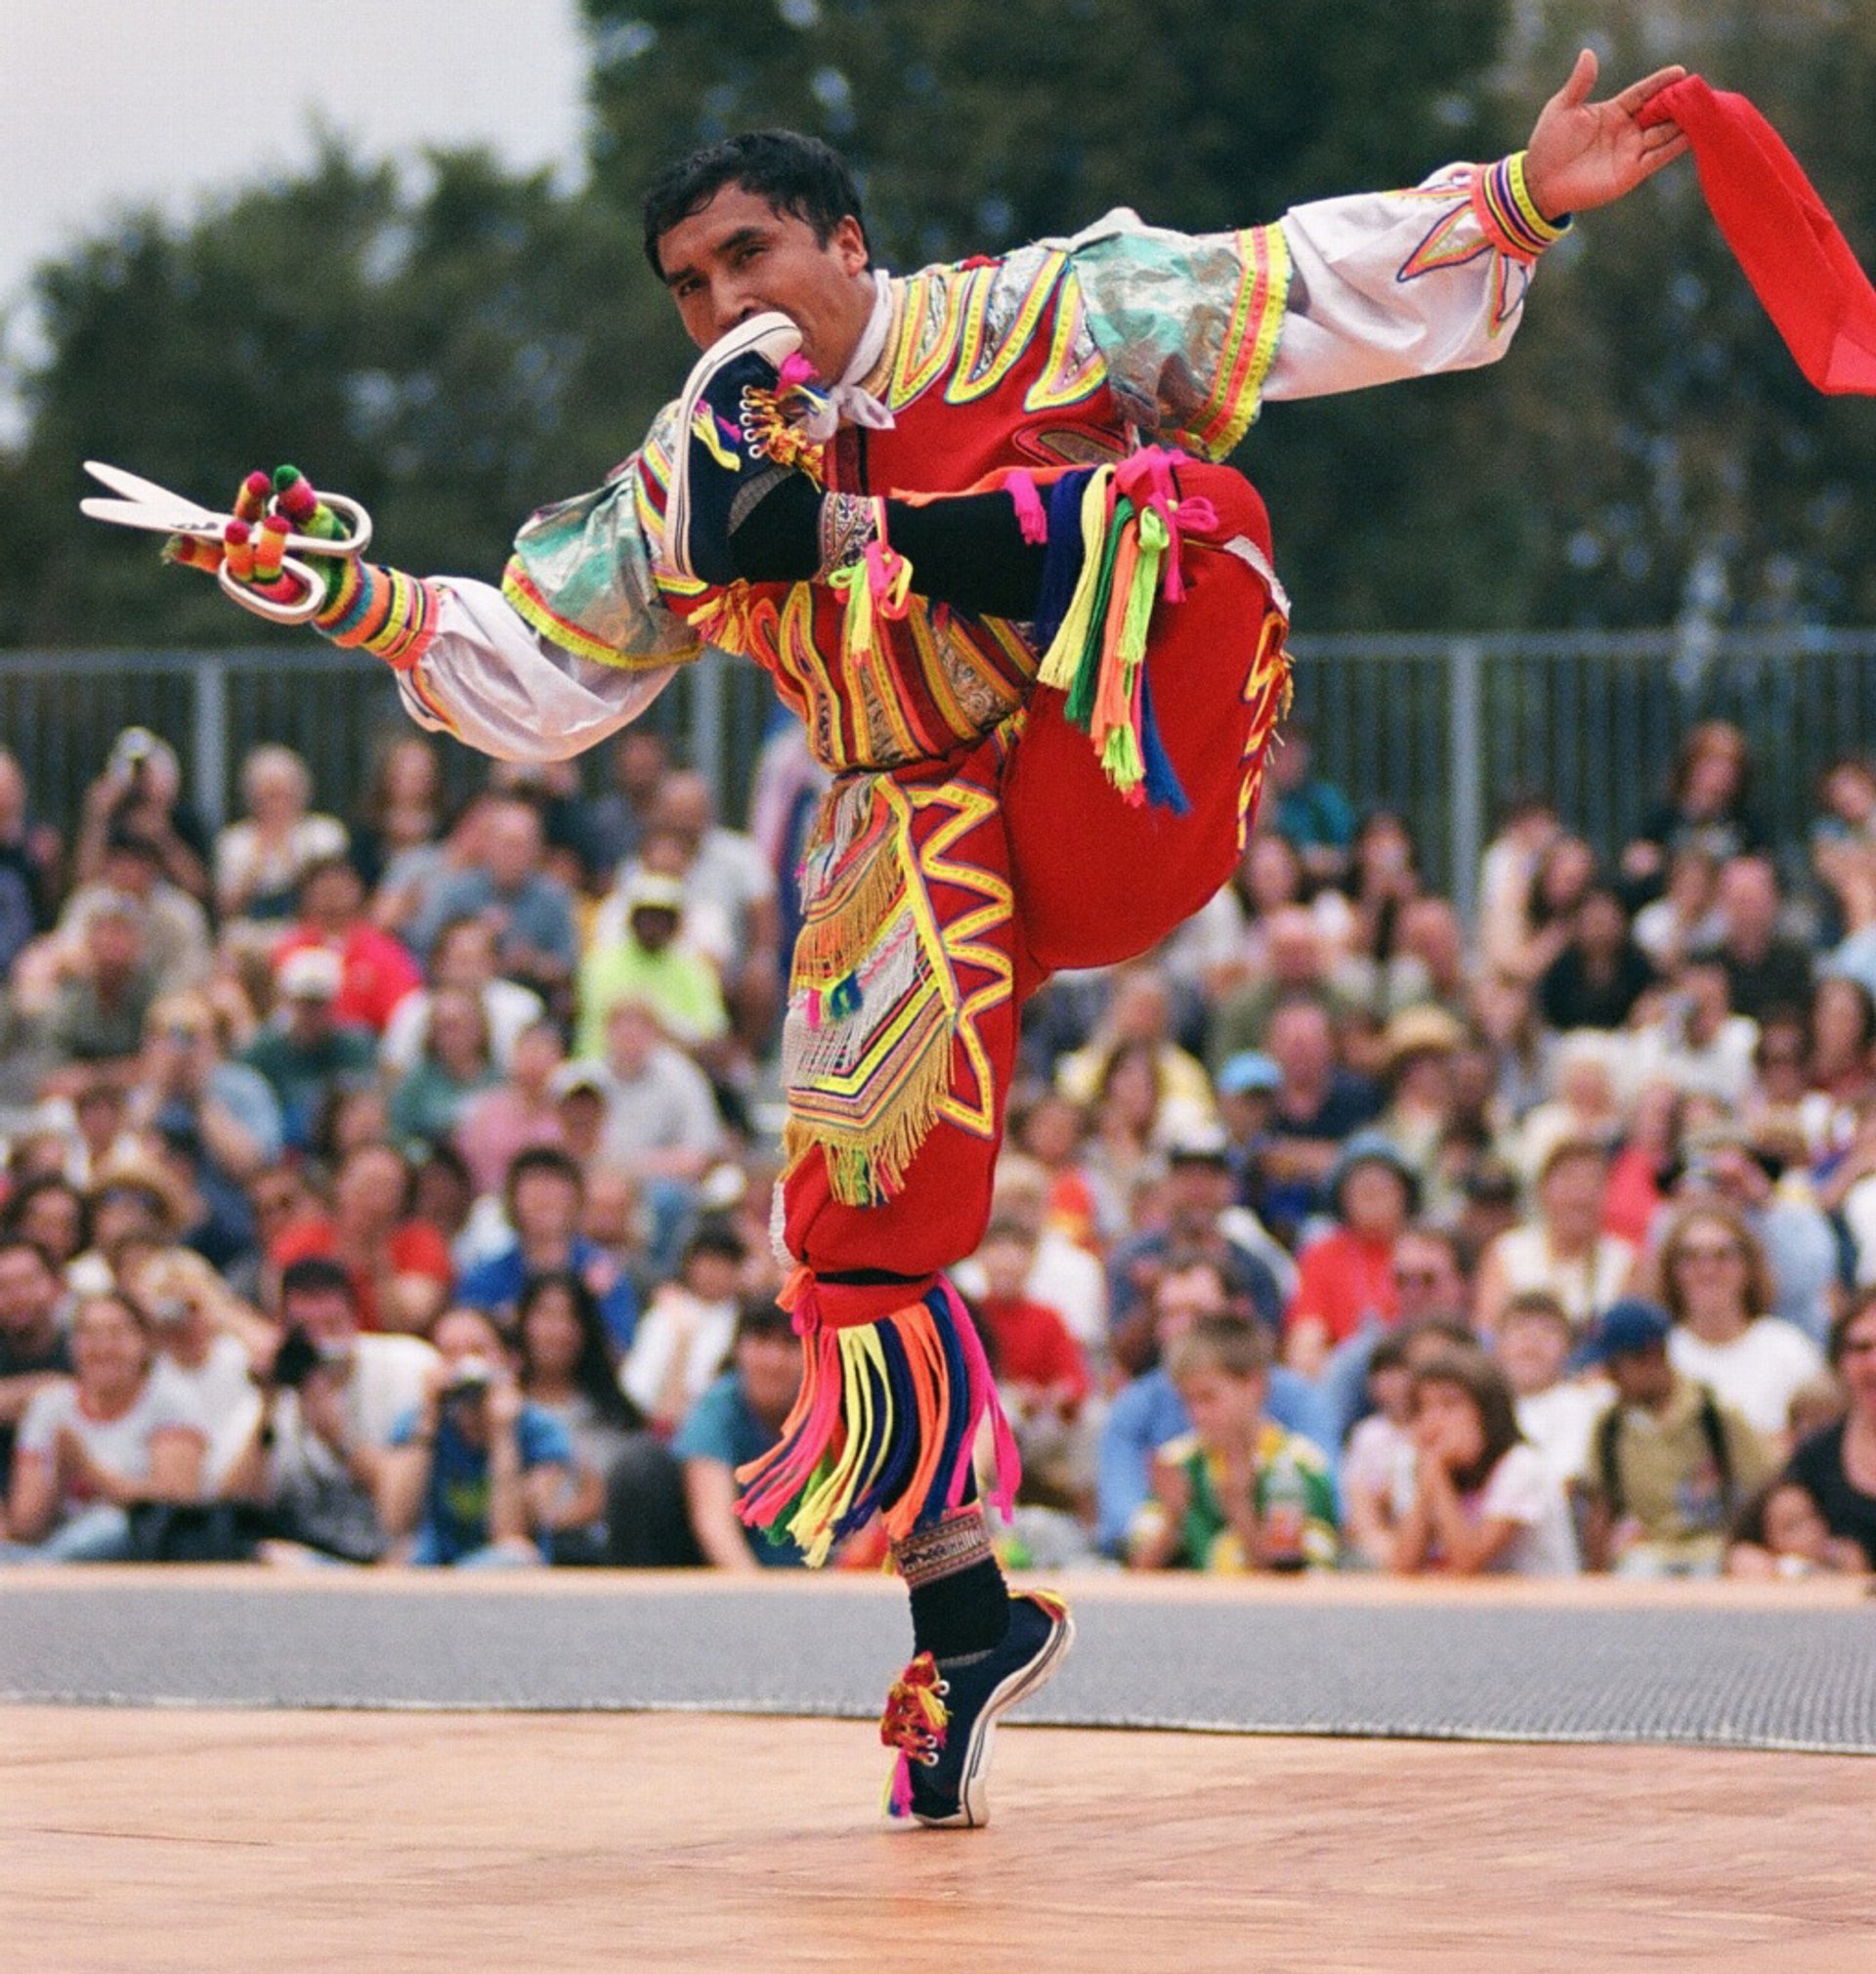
x=1709, y=1251
x=1415, y=1278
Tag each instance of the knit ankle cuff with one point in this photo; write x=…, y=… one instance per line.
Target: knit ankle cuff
x=382, y=611
x=960, y=1542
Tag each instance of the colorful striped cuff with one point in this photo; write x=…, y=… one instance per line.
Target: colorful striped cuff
x=1507, y=215
x=382, y=611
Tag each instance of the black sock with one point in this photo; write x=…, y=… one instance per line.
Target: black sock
x=961, y=1613
x=965, y=549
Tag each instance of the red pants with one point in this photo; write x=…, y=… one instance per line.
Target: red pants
x=1089, y=881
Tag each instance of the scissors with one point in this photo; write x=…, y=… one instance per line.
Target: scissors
x=146, y=505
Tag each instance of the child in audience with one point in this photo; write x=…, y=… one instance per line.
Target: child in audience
x=1237, y=1492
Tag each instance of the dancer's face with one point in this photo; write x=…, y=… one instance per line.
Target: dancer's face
x=739, y=257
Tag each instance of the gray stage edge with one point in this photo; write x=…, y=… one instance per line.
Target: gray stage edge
x=1800, y=1680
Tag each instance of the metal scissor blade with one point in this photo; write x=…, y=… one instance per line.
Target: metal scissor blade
x=179, y=519
x=149, y=505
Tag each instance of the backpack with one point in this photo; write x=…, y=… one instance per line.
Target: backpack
x=1713, y=1429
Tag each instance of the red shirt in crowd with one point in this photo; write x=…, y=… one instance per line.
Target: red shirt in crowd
x=1030, y=1344
x=1342, y=1280
x=415, y=1248
x=377, y=971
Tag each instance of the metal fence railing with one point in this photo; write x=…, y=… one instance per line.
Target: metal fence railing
x=1441, y=728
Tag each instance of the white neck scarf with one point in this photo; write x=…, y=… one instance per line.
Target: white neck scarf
x=846, y=401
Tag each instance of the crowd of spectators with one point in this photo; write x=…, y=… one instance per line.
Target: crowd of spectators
x=397, y=1190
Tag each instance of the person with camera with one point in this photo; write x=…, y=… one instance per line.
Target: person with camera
x=332, y=1402
x=475, y=1474
x=140, y=794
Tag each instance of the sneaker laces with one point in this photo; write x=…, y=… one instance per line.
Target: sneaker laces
x=914, y=1723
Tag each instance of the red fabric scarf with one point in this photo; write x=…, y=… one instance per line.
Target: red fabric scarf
x=1781, y=233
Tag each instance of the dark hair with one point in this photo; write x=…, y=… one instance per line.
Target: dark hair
x=12, y=1243
x=1841, y=1328
x=716, y=1238
x=318, y=1276
x=1473, y=1372
x=595, y=1372
x=15, y=1213
x=543, y=1158
x=1749, y=1523
x=758, y=1317
x=796, y=174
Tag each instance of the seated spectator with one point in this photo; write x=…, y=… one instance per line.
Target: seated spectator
x=141, y=793
x=209, y=1343
x=1041, y=1374
x=95, y=1018
x=686, y=1333
x=1684, y=919
x=1140, y=1011
x=133, y=1206
x=661, y=1121
x=475, y=1474
x=1766, y=970
x=305, y=1052
x=187, y=1084
x=736, y=1421
x=1717, y=1287
x=1781, y=1533
x=333, y=1405
x=53, y=1214
x=33, y=1348
x=546, y=1196
x=261, y=859
x=566, y=1365
x=454, y=1067
x=1708, y=807
x=1148, y=1411
x=1597, y=978
x=176, y=935
x=1237, y=1492
x=1562, y=877
x=1420, y=1050
x=1290, y=953
x=638, y=758
x=1378, y=1466
x=1564, y=1250
x=1555, y=1412
x=1588, y=1102
x=1200, y=1219
x=532, y=914
x=1483, y=1502
x=1698, y=1043
x=1122, y=1153
x=1050, y=1129
x=1669, y=1464
x=649, y=961
x=1064, y=1275
x=727, y=879
x=376, y=974
x=1319, y=1104
x=1346, y=1278
x=400, y=1265
x=398, y=820
x=1837, y=1465
x=29, y=857
x=519, y=1114
x=1308, y=808
x=463, y=956
x=117, y=1435
x=1724, y=1165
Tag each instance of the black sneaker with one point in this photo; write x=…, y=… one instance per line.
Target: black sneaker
x=724, y=423
x=942, y=1714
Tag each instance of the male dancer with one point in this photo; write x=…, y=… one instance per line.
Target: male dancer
x=967, y=522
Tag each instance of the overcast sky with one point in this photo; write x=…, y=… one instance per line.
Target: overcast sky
x=110, y=102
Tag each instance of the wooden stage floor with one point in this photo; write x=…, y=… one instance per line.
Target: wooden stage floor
x=138, y=1840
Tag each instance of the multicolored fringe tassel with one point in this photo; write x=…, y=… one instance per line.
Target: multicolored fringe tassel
x=1115, y=550
x=879, y=585
x=885, y=1424
x=915, y=1722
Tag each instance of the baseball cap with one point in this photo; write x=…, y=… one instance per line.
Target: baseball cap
x=1628, y=1328
x=1200, y=1144
x=649, y=891
x=1248, y=1073
x=310, y=973
x=578, y=1075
